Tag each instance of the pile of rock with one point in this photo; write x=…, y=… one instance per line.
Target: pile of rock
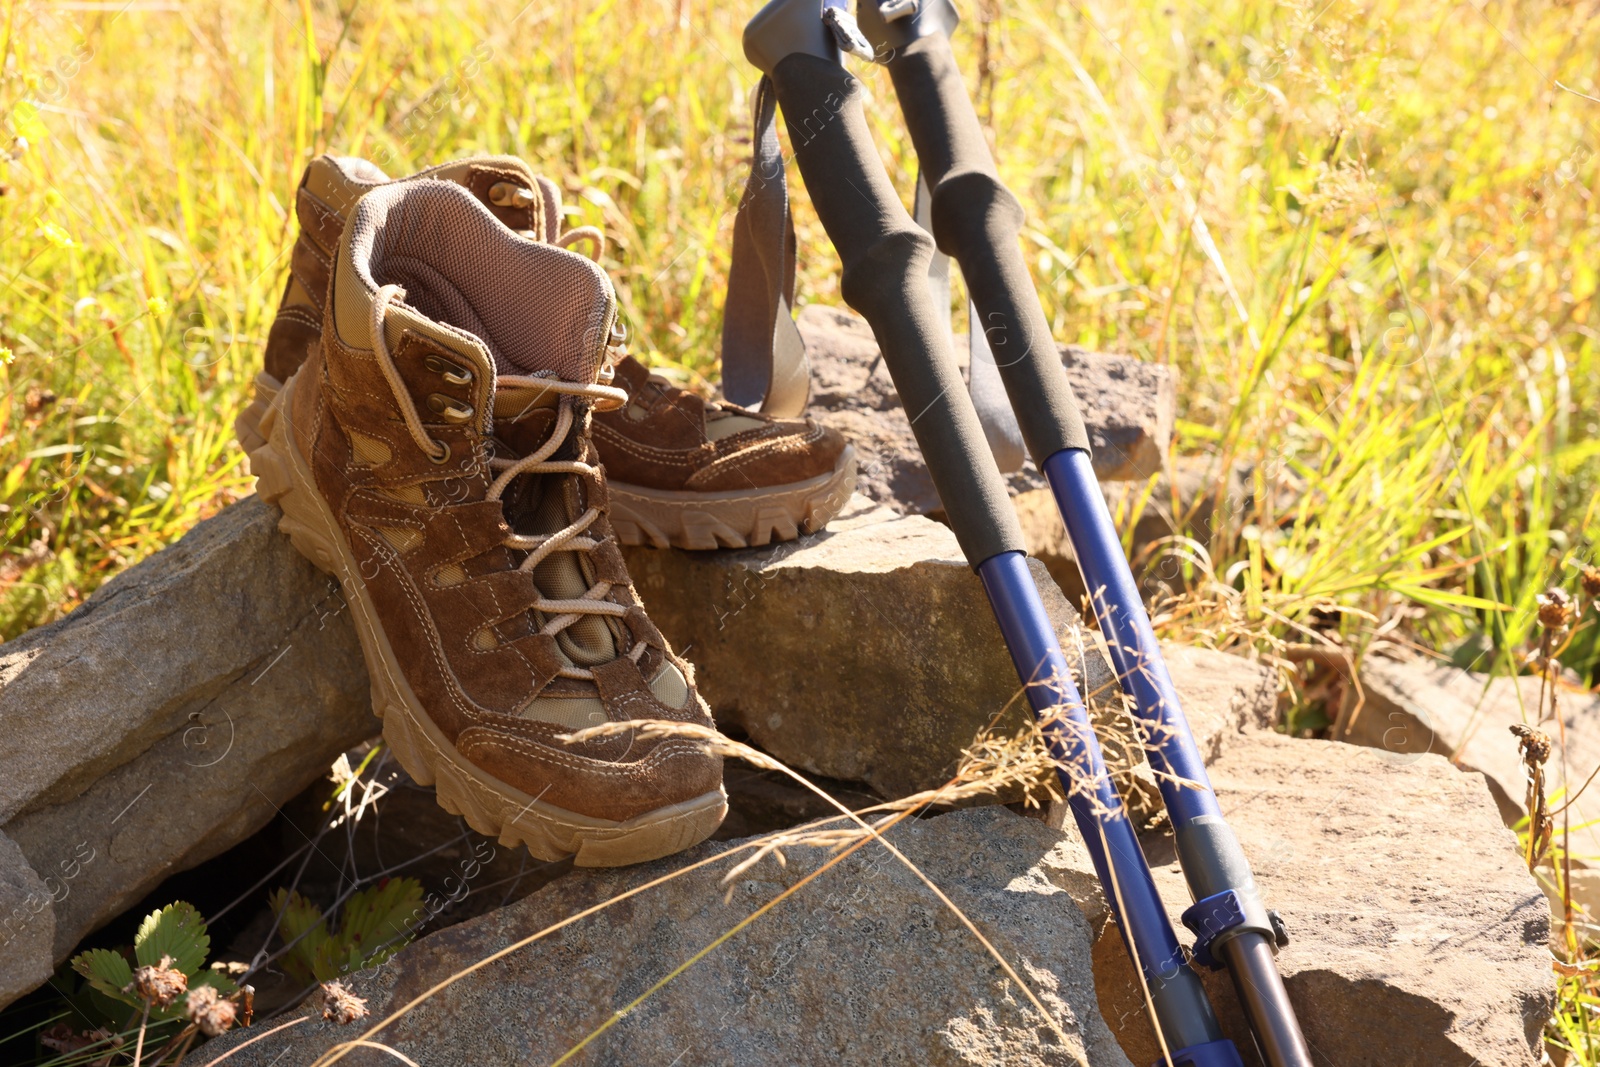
x=193, y=696
x=1416, y=938
x=162, y=722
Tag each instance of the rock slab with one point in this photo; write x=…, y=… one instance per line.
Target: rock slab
x=1128, y=408
x=861, y=966
x=1416, y=935
x=1415, y=707
x=866, y=652
x=168, y=717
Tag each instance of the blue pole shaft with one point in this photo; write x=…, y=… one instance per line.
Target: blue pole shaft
x=1212, y=860
x=1182, y=1008
x=1134, y=650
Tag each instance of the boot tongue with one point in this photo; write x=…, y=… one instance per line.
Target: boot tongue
x=537, y=308
x=543, y=504
x=589, y=641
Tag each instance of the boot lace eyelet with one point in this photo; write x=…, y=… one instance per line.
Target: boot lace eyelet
x=453, y=373
x=449, y=407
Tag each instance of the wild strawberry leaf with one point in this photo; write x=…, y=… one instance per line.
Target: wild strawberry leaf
x=377, y=921
x=301, y=926
x=106, y=971
x=216, y=980
x=178, y=931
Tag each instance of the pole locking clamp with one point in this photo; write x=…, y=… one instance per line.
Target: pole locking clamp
x=1226, y=914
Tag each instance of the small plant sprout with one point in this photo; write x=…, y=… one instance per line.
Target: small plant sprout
x=374, y=924
x=167, y=992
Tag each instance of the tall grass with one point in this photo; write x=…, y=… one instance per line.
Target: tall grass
x=1364, y=234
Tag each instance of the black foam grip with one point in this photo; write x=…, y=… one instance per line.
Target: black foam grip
x=885, y=256
x=976, y=221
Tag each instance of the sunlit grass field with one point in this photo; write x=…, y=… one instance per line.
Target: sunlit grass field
x=1366, y=235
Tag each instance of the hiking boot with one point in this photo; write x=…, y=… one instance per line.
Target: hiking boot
x=329, y=190
x=690, y=473
x=434, y=455
x=683, y=471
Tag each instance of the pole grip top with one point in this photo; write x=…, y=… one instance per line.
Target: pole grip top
x=784, y=27
x=893, y=25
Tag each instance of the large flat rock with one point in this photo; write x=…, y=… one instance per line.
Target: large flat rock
x=866, y=653
x=1417, y=936
x=168, y=717
x=1222, y=696
x=1416, y=707
x=869, y=653
x=1128, y=408
x=862, y=966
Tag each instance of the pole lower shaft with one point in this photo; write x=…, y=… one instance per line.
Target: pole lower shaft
x=1182, y=1010
x=1265, y=1000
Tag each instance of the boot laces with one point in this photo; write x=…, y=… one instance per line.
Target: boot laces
x=561, y=613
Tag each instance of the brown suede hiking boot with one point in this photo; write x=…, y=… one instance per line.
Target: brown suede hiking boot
x=689, y=473
x=682, y=471
x=434, y=455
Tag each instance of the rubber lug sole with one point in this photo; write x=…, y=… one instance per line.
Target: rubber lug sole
x=734, y=518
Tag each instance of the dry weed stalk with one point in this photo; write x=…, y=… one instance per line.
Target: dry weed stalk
x=1534, y=745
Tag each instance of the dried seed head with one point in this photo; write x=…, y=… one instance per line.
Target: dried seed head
x=208, y=1010
x=341, y=1006
x=1535, y=744
x=159, y=985
x=1555, y=608
x=1591, y=582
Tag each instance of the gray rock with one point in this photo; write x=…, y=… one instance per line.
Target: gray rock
x=1128, y=407
x=27, y=922
x=861, y=966
x=1417, y=936
x=1415, y=707
x=1222, y=694
x=168, y=717
x=866, y=653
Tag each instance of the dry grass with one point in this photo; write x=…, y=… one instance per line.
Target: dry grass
x=1365, y=235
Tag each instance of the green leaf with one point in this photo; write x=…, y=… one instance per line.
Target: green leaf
x=376, y=922
x=333, y=960
x=178, y=931
x=106, y=971
x=25, y=120
x=300, y=924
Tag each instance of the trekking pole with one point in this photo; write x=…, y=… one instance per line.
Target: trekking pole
x=885, y=259
x=976, y=221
